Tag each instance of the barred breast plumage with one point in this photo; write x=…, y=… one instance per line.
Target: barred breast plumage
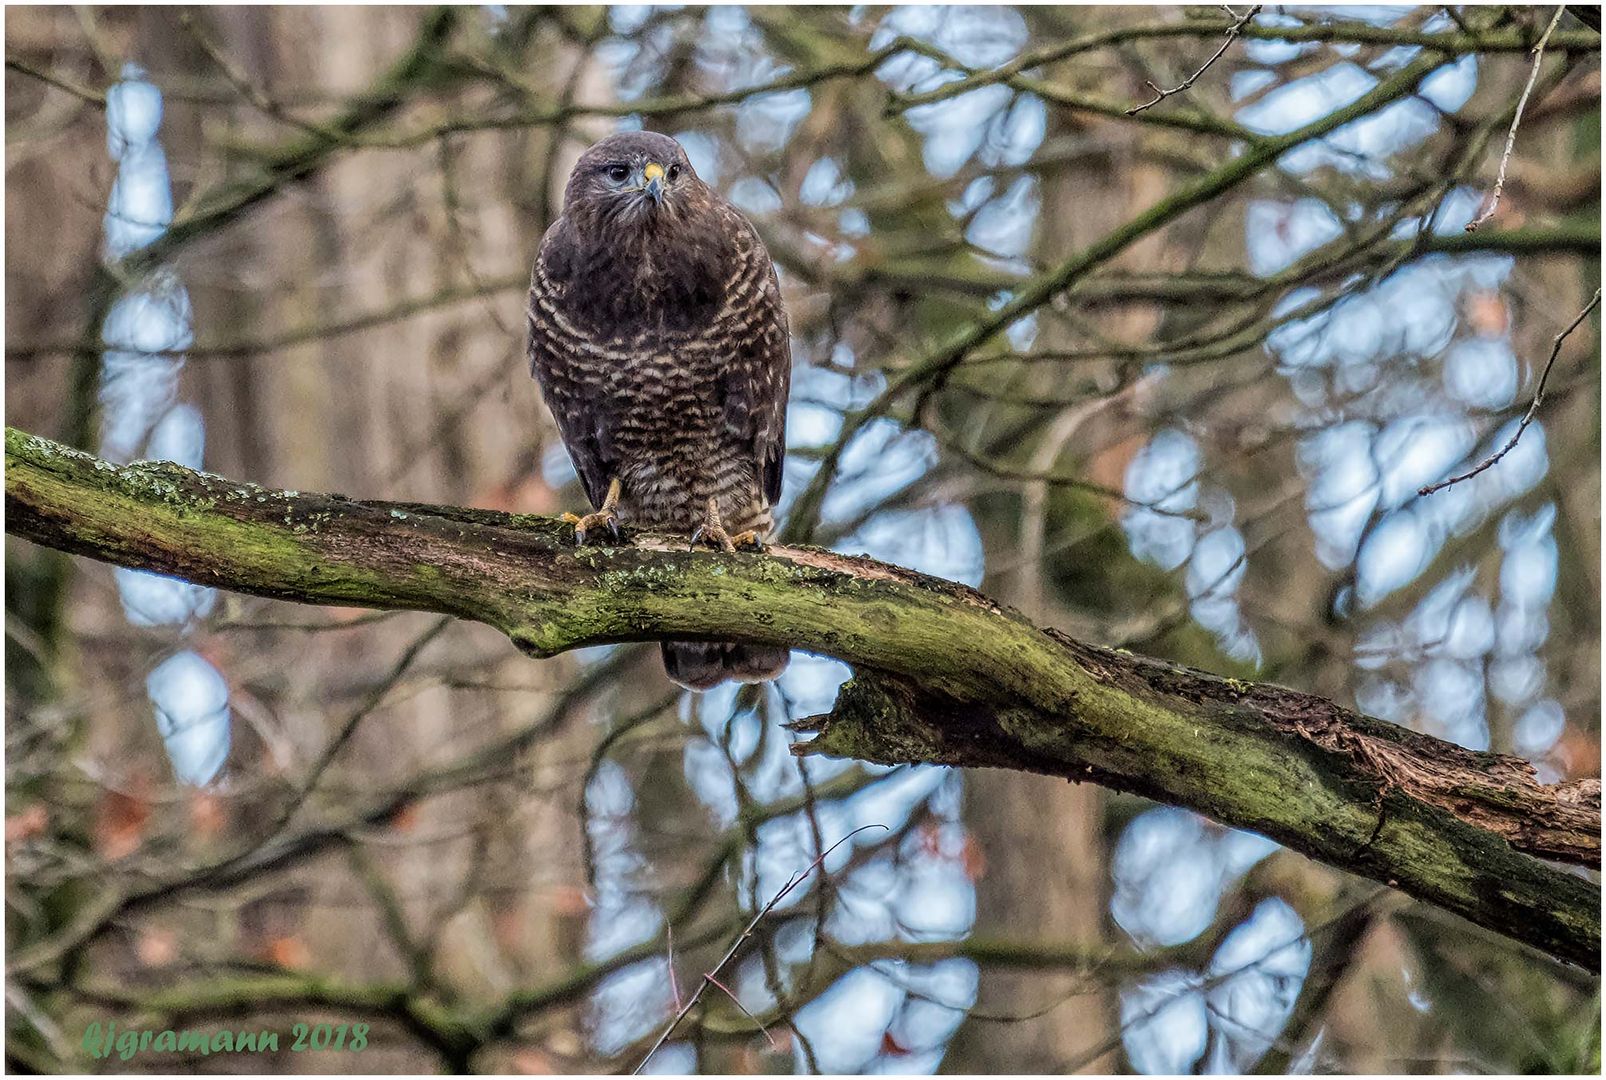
x=657, y=333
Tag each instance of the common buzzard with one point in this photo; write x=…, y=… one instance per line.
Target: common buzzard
x=661, y=346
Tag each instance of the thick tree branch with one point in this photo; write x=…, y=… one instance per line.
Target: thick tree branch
x=943, y=674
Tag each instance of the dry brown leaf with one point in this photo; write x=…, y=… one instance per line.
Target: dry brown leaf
x=26, y=824
x=208, y=815
x=1487, y=315
x=288, y=951
x=121, y=820
x=156, y=946
x=975, y=860
x=533, y=1062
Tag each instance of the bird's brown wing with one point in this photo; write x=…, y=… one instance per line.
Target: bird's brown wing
x=568, y=363
x=759, y=374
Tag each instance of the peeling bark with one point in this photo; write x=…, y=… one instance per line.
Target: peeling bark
x=943, y=674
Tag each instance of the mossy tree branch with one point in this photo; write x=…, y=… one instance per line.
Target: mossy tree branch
x=943, y=674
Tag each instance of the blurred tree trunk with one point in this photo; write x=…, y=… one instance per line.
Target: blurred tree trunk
x=437, y=406
x=1043, y=840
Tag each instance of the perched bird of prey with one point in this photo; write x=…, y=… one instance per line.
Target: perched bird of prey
x=660, y=343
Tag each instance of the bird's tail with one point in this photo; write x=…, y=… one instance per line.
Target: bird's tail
x=703, y=665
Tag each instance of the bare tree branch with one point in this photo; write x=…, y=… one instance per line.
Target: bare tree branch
x=933, y=370
x=1533, y=406
x=1516, y=121
x=1232, y=35
x=67, y=86
x=1347, y=32
x=711, y=977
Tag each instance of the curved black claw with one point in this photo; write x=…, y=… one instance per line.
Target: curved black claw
x=583, y=525
x=713, y=534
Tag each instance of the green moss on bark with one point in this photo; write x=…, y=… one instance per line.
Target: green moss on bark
x=943, y=674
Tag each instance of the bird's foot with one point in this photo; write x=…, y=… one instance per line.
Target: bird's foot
x=715, y=534
x=712, y=532
x=583, y=525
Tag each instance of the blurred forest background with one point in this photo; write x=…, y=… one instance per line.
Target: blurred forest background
x=1241, y=328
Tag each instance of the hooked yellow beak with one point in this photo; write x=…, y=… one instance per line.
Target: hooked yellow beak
x=654, y=175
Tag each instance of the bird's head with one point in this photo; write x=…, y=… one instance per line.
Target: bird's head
x=632, y=179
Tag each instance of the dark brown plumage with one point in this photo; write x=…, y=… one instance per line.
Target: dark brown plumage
x=661, y=346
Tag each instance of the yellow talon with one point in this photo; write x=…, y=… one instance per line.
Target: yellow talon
x=712, y=531
x=605, y=515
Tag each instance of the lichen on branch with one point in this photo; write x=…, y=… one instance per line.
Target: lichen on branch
x=943, y=674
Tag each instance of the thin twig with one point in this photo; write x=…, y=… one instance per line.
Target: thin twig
x=1222, y=978
x=745, y=1012
x=242, y=83
x=674, y=985
x=712, y=977
x=1511, y=136
x=335, y=744
x=1533, y=406
x=1587, y=14
x=67, y=86
x=1232, y=33
x=309, y=627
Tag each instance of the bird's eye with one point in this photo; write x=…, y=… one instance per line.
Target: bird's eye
x=618, y=173
x=674, y=172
